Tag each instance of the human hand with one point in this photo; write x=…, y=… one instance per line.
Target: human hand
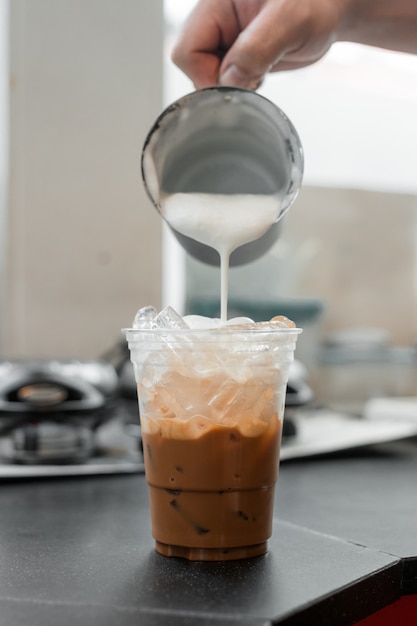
x=236, y=42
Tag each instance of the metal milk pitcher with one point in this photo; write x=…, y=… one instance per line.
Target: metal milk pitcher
x=224, y=140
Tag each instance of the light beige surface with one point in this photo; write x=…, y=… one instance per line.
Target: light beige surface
x=360, y=250
x=84, y=243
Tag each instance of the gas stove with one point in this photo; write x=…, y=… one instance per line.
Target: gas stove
x=52, y=412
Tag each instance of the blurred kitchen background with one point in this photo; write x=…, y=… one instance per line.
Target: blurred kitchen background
x=81, y=247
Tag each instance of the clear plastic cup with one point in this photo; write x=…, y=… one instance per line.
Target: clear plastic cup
x=211, y=406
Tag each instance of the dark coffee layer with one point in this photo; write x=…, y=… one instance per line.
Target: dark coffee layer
x=213, y=492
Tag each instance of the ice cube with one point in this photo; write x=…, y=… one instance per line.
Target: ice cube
x=251, y=426
x=189, y=429
x=144, y=317
x=283, y=322
x=244, y=323
x=202, y=322
x=221, y=393
x=175, y=396
x=239, y=321
x=252, y=396
x=169, y=318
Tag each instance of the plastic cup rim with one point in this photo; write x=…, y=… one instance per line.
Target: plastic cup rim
x=224, y=330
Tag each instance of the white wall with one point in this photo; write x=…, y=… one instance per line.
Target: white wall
x=3, y=152
x=355, y=112
x=84, y=243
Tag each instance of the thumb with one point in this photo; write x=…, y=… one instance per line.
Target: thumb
x=259, y=46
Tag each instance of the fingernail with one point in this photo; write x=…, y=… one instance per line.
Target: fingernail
x=234, y=77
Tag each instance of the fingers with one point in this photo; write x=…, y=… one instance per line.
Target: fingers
x=202, y=68
x=237, y=42
x=280, y=28
x=210, y=30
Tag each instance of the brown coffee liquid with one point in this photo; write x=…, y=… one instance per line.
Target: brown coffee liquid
x=212, y=496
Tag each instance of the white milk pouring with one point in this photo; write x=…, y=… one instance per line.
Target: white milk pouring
x=222, y=221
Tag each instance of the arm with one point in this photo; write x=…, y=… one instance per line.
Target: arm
x=390, y=24
x=237, y=42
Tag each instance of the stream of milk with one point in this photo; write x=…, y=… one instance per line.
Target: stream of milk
x=223, y=222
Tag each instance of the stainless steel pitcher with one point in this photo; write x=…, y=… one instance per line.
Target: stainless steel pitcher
x=224, y=140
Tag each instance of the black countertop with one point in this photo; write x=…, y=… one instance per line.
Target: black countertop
x=79, y=550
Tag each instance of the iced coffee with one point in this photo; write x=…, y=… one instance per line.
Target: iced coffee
x=211, y=404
